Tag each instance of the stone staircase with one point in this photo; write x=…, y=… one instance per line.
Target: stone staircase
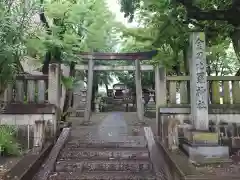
x=124, y=159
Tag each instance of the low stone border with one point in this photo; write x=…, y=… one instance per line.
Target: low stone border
x=19, y=108
x=28, y=166
x=185, y=109
x=182, y=169
x=212, y=109
x=160, y=166
x=50, y=162
x=175, y=165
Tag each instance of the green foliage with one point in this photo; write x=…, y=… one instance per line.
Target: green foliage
x=69, y=82
x=8, y=143
x=222, y=62
x=15, y=29
x=75, y=26
x=161, y=30
x=164, y=26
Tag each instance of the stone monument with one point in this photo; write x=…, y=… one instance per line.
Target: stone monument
x=201, y=144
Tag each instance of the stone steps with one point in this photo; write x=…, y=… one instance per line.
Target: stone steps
x=102, y=176
x=94, y=138
x=133, y=131
x=104, y=165
x=130, y=142
x=117, y=158
x=106, y=153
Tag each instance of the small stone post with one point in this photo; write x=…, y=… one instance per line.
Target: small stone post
x=39, y=134
x=140, y=110
x=198, y=81
x=87, y=112
x=54, y=90
x=160, y=95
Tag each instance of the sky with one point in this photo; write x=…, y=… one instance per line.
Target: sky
x=115, y=8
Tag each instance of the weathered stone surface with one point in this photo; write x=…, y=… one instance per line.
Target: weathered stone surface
x=108, y=145
x=206, y=154
x=80, y=113
x=198, y=81
x=127, y=141
x=115, y=134
x=71, y=166
x=49, y=164
x=213, y=109
x=102, y=176
x=121, y=138
x=123, y=165
x=104, y=151
x=236, y=142
x=107, y=153
x=101, y=165
x=201, y=137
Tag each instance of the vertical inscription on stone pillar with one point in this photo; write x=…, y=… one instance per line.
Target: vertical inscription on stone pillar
x=199, y=99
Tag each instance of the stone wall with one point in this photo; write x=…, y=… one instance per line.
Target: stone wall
x=217, y=113
x=24, y=124
x=24, y=119
x=172, y=119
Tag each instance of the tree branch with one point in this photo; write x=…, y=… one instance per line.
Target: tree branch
x=43, y=17
x=230, y=15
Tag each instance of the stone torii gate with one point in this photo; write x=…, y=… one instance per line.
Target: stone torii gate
x=137, y=57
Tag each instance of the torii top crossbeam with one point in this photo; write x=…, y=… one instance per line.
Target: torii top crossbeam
x=119, y=56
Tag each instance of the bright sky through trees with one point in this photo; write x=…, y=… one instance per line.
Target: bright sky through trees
x=115, y=8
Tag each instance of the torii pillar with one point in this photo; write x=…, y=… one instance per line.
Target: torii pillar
x=87, y=112
x=140, y=110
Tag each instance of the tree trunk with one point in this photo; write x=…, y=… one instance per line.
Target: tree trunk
x=94, y=90
x=176, y=68
x=72, y=74
x=235, y=36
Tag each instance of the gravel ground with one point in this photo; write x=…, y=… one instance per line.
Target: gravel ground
x=6, y=163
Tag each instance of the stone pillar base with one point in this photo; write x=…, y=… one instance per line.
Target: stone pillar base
x=39, y=133
x=203, y=147
x=205, y=138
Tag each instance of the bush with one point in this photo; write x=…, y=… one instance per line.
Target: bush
x=8, y=143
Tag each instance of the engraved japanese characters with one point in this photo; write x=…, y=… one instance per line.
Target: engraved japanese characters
x=199, y=92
